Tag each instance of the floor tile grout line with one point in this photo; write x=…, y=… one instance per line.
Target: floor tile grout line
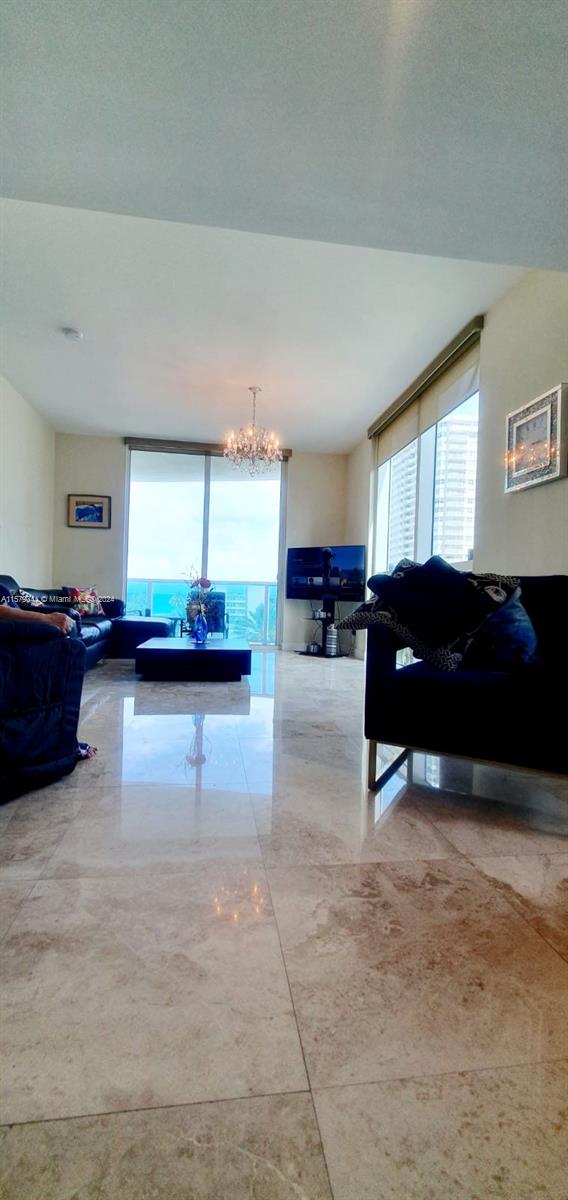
x=430, y=821
x=517, y=911
x=238, y=859
x=526, y=852
x=297, y=1023
x=32, y=883
x=487, y=854
x=297, y=1026
x=121, y=1112
x=540, y=853
x=515, y=1066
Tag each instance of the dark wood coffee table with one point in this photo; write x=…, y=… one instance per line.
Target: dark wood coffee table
x=216, y=660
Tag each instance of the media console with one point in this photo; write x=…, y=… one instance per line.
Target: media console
x=329, y=639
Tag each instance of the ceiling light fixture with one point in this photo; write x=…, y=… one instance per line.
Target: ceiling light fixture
x=253, y=447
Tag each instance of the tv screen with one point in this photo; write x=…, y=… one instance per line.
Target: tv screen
x=317, y=571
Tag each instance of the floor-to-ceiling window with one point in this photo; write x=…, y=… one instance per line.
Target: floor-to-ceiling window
x=195, y=514
x=242, y=559
x=426, y=493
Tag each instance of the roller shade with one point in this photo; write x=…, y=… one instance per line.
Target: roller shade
x=446, y=383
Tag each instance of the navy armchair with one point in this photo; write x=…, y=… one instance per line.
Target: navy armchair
x=515, y=718
x=41, y=677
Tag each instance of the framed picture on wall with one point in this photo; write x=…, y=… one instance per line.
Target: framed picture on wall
x=537, y=440
x=88, y=512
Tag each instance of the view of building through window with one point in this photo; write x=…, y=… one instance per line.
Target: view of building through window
x=238, y=549
x=426, y=493
x=402, y=511
x=454, y=492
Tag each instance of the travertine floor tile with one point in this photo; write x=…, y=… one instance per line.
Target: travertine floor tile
x=313, y=825
x=402, y=969
x=267, y=1148
x=144, y=991
x=27, y=843
x=488, y=1135
x=537, y=886
x=136, y=829
x=12, y=893
x=143, y=969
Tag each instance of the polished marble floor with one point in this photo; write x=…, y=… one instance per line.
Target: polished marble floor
x=230, y=973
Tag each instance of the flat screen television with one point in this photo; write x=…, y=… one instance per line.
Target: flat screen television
x=317, y=571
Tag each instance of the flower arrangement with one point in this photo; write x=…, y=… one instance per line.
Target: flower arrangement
x=198, y=589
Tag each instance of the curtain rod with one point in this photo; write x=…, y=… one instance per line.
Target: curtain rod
x=467, y=337
x=211, y=449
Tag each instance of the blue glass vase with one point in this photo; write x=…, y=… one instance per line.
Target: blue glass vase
x=199, y=629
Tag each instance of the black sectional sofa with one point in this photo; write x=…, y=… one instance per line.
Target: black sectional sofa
x=112, y=635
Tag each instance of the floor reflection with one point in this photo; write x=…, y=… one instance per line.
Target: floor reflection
x=290, y=738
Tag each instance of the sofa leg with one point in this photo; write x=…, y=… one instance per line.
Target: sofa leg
x=375, y=784
x=372, y=767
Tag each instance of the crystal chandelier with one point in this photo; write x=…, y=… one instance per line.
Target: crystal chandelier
x=253, y=447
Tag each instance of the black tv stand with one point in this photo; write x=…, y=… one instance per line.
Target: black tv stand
x=328, y=607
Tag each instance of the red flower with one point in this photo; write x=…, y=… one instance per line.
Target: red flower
x=203, y=582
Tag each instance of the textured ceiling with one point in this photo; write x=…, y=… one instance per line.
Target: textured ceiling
x=430, y=126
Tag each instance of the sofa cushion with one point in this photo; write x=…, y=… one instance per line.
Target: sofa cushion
x=474, y=714
x=545, y=598
x=504, y=640
x=103, y=624
x=91, y=633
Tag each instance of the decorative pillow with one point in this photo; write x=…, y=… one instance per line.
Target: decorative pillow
x=438, y=610
x=86, y=601
x=439, y=603
x=444, y=658
x=25, y=599
x=505, y=639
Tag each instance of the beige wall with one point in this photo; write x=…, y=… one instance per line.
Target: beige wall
x=358, y=510
x=315, y=516
x=26, y=490
x=524, y=351
x=82, y=557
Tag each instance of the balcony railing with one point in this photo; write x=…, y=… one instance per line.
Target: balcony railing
x=250, y=606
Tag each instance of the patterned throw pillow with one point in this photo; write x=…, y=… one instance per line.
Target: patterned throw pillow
x=437, y=611
x=25, y=599
x=86, y=601
x=444, y=658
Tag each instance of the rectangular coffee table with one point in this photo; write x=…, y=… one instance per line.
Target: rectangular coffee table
x=182, y=658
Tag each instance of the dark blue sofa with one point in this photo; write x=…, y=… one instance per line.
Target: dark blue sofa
x=110, y=635
x=41, y=677
x=95, y=632
x=516, y=718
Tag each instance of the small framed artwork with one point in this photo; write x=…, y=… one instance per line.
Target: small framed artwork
x=537, y=440
x=88, y=512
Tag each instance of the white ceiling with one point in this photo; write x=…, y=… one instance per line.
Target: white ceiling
x=298, y=159
x=430, y=126
x=179, y=320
